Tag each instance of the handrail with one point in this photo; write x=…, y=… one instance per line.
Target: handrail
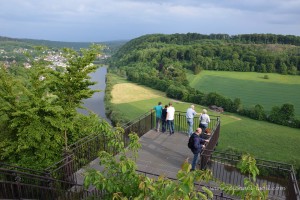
x=85, y=150
x=198, y=185
x=9, y=166
x=259, y=162
x=136, y=119
x=273, y=174
x=210, y=146
x=294, y=191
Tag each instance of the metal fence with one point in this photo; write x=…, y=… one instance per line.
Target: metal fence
x=22, y=183
x=275, y=177
x=218, y=195
x=59, y=181
x=180, y=122
x=86, y=150
x=181, y=125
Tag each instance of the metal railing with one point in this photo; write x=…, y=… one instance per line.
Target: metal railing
x=59, y=180
x=23, y=185
x=275, y=177
x=180, y=122
x=181, y=125
x=86, y=150
x=198, y=186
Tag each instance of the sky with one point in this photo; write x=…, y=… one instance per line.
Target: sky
x=110, y=20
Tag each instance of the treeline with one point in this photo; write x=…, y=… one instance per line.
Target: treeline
x=9, y=44
x=243, y=38
x=153, y=61
x=222, y=55
x=283, y=115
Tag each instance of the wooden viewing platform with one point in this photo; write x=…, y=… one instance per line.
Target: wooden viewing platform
x=160, y=154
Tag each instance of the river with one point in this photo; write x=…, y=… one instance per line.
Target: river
x=96, y=102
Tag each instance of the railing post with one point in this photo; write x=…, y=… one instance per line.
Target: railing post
x=139, y=128
x=18, y=185
x=151, y=119
x=179, y=123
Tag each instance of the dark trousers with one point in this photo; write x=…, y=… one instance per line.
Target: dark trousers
x=203, y=127
x=163, y=125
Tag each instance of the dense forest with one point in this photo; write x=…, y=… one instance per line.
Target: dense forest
x=259, y=53
x=160, y=61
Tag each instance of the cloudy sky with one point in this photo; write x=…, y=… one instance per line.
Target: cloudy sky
x=107, y=20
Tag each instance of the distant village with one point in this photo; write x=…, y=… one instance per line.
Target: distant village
x=18, y=55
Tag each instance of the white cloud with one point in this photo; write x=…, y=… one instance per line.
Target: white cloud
x=100, y=20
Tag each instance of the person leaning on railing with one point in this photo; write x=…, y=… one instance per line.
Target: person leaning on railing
x=204, y=120
x=158, y=111
x=190, y=113
x=206, y=135
x=197, y=146
x=163, y=119
x=170, y=118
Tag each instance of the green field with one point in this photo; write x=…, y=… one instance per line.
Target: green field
x=262, y=139
x=251, y=87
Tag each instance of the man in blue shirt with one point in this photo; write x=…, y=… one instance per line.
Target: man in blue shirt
x=190, y=113
x=158, y=111
x=197, y=146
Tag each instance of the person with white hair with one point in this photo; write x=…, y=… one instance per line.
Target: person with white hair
x=204, y=120
x=190, y=113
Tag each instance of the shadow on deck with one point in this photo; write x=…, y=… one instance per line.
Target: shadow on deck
x=162, y=153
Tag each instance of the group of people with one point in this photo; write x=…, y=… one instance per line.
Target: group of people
x=204, y=119
x=202, y=133
x=165, y=117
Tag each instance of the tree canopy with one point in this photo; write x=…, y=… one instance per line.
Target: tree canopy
x=38, y=108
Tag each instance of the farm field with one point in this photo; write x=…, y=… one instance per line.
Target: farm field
x=251, y=87
x=262, y=139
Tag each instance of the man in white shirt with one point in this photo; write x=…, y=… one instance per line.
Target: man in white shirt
x=170, y=118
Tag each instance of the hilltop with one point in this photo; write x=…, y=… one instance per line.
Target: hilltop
x=17, y=42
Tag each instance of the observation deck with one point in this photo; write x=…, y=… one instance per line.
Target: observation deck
x=161, y=154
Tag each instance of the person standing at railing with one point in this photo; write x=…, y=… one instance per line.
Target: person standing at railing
x=158, y=112
x=163, y=119
x=204, y=120
x=197, y=146
x=206, y=135
x=170, y=118
x=190, y=113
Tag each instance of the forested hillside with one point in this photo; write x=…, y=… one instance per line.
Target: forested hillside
x=257, y=52
x=8, y=44
x=160, y=61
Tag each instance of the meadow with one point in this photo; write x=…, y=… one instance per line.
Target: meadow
x=262, y=139
x=251, y=87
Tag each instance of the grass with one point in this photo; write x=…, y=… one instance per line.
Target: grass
x=251, y=87
x=132, y=92
x=262, y=139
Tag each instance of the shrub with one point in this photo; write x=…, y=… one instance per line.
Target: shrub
x=266, y=77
